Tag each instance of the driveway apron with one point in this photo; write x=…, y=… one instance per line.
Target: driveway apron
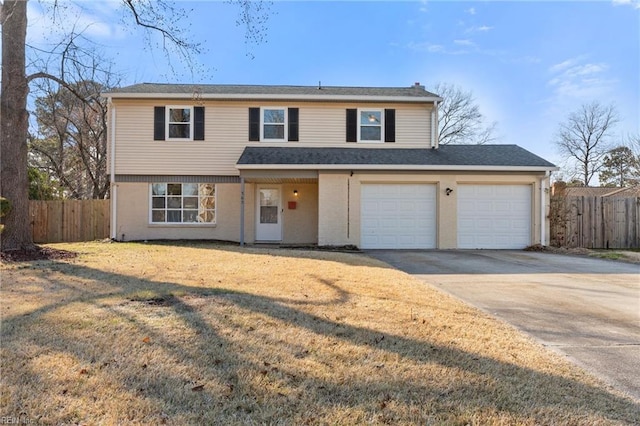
x=585, y=308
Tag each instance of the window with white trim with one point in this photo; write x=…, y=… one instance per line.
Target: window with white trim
x=191, y=203
x=370, y=125
x=179, y=122
x=273, y=126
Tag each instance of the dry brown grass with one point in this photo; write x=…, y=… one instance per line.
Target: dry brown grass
x=215, y=334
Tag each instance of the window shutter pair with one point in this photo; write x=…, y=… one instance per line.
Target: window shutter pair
x=389, y=125
x=159, y=123
x=254, y=124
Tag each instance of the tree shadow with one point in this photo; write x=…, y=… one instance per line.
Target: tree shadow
x=245, y=382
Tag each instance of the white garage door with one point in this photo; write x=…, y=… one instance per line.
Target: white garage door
x=398, y=216
x=494, y=216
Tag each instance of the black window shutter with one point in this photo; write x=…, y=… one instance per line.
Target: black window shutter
x=293, y=124
x=352, y=125
x=158, y=123
x=198, y=123
x=389, y=125
x=254, y=124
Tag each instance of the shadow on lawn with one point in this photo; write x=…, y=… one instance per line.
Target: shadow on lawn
x=240, y=397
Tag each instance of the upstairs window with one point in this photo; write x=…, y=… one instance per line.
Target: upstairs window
x=370, y=128
x=175, y=203
x=273, y=124
x=371, y=125
x=178, y=123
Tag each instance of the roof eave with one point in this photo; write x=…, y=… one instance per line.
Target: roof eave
x=391, y=167
x=295, y=97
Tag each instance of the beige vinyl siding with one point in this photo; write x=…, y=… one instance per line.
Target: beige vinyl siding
x=226, y=134
x=138, y=153
x=324, y=125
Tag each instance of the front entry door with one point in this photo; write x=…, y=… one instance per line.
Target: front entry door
x=269, y=217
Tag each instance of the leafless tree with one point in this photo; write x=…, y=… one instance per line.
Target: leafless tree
x=632, y=141
x=460, y=119
x=162, y=20
x=69, y=143
x=584, y=138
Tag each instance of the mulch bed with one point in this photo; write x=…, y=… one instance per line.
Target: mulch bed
x=37, y=253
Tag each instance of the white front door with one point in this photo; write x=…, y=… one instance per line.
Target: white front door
x=268, y=214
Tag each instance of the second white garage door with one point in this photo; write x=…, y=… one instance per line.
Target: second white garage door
x=494, y=216
x=398, y=216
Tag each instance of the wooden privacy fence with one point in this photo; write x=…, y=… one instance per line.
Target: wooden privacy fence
x=595, y=222
x=69, y=220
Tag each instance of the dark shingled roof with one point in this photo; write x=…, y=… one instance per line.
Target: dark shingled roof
x=446, y=155
x=248, y=90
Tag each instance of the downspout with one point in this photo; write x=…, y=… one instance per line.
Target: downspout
x=543, y=209
x=433, y=132
x=241, y=211
x=434, y=126
x=112, y=177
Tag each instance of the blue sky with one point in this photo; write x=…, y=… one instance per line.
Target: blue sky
x=528, y=64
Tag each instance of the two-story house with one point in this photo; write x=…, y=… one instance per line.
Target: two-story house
x=313, y=165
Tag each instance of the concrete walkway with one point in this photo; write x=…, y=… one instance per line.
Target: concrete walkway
x=586, y=308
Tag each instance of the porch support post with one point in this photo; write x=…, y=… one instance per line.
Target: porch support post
x=241, y=211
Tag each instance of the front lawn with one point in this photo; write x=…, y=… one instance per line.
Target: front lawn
x=211, y=333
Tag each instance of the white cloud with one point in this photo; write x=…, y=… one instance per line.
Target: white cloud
x=471, y=11
x=586, y=69
x=481, y=29
x=464, y=42
x=561, y=66
x=633, y=3
x=577, y=79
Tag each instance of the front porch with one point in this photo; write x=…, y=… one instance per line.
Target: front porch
x=279, y=207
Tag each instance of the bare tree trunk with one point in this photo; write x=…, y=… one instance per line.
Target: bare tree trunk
x=14, y=127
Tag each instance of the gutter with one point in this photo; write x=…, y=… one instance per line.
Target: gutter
x=242, y=198
x=543, y=209
x=294, y=97
x=434, y=125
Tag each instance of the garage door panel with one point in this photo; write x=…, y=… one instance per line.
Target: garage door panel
x=494, y=216
x=481, y=206
x=398, y=216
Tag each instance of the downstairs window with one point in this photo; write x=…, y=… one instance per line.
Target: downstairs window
x=192, y=203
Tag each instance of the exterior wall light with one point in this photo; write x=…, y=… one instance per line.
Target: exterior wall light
x=448, y=191
x=295, y=192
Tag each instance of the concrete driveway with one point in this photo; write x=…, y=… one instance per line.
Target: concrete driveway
x=586, y=308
